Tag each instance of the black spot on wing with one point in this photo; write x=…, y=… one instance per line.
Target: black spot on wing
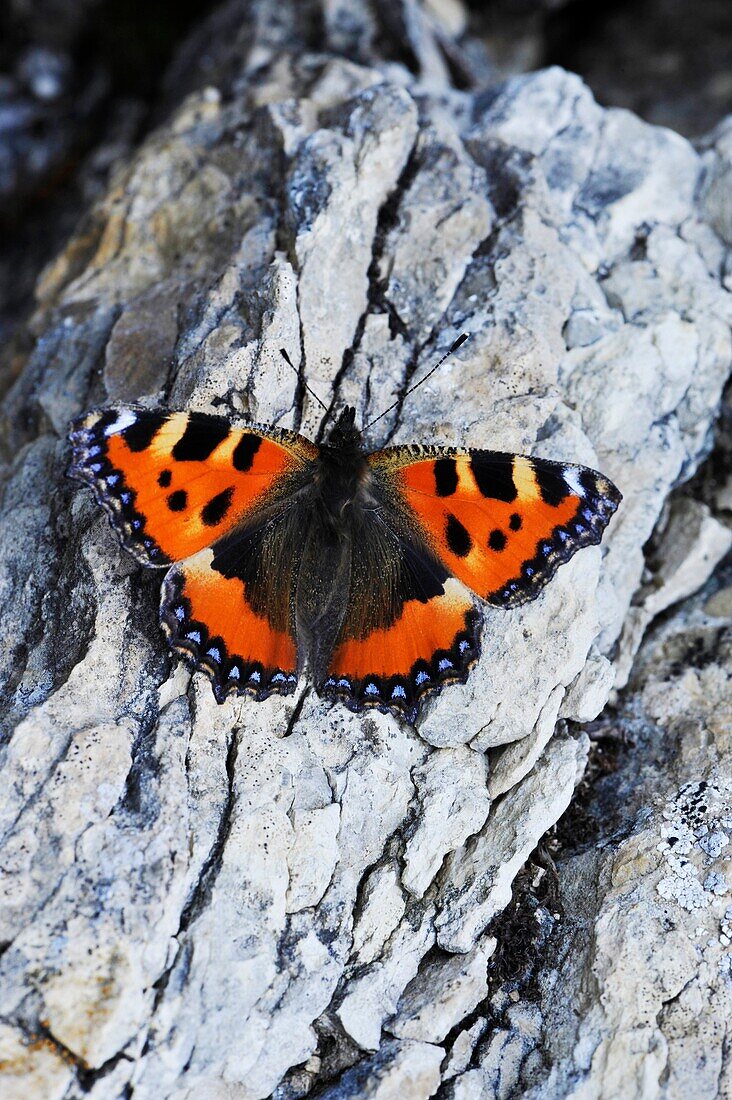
x=139, y=436
x=497, y=540
x=201, y=437
x=245, y=451
x=458, y=537
x=515, y=522
x=493, y=475
x=552, y=486
x=585, y=528
x=239, y=554
x=164, y=478
x=105, y=420
x=213, y=512
x=177, y=501
x=446, y=477
x=422, y=576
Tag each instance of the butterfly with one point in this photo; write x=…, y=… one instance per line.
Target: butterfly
x=284, y=556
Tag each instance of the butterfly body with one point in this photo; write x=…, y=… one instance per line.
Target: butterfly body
x=358, y=569
x=334, y=503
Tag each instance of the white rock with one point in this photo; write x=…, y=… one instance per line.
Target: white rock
x=401, y=1069
x=453, y=804
x=501, y=1059
x=443, y=993
x=517, y=760
x=312, y=856
x=336, y=186
x=383, y=906
x=649, y=953
x=588, y=693
x=477, y=880
x=373, y=994
x=691, y=545
x=462, y=1049
x=31, y=1066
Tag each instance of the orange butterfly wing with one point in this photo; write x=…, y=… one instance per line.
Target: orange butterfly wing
x=210, y=616
x=499, y=524
x=172, y=483
x=502, y=523
x=187, y=486
x=430, y=643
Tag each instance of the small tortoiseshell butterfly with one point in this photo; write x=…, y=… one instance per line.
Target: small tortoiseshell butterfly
x=284, y=555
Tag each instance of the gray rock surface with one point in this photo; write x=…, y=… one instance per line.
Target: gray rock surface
x=240, y=900
x=636, y=996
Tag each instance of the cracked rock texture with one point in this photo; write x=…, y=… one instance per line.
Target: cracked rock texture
x=246, y=900
x=636, y=995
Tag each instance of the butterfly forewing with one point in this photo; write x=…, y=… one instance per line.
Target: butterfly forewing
x=501, y=523
x=172, y=483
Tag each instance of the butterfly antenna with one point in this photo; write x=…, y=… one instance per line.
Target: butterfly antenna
x=312, y=393
x=400, y=401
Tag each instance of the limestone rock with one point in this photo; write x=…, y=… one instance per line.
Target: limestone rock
x=444, y=992
x=634, y=993
x=256, y=899
x=501, y=1058
x=690, y=543
x=454, y=803
x=462, y=1049
x=476, y=884
x=400, y=1069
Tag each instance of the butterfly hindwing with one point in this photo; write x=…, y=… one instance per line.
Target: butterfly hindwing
x=172, y=483
x=219, y=611
x=430, y=644
x=501, y=523
x=410, y=627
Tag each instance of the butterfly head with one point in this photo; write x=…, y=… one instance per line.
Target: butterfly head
x=344, y=435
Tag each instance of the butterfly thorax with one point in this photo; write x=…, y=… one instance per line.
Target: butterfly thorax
x=342, y=474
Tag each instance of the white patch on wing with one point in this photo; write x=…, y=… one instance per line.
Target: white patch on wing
x=571, y=476
x=125, y=419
